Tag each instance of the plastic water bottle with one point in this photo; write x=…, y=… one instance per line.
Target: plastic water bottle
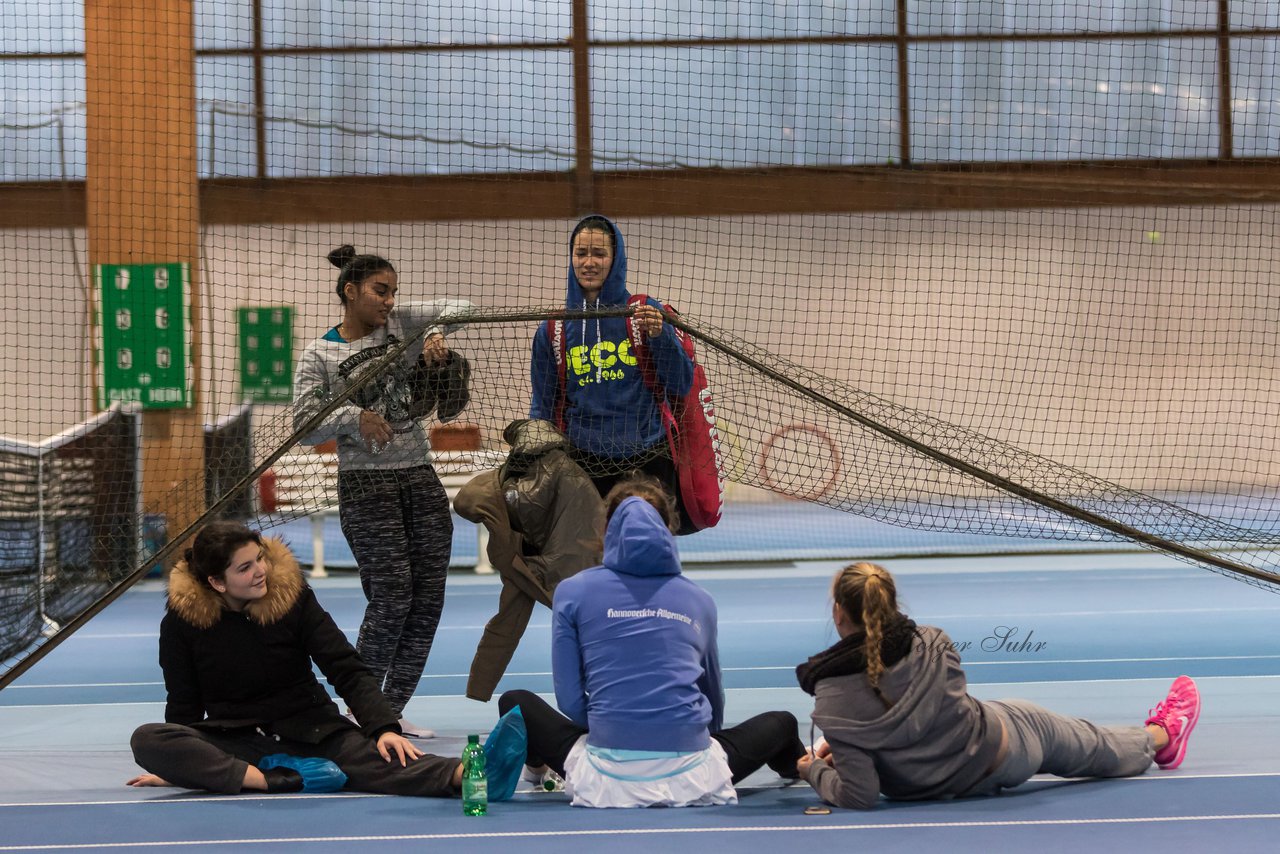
x=552, y=782
x=475, y=785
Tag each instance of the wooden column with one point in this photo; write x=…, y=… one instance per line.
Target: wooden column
x=142, y=199
x=584, y=176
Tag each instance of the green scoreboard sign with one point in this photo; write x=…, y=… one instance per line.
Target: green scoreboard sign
x=266, y=353
x=144, y=334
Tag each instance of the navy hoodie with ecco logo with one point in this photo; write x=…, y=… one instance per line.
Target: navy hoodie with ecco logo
x=609, y=411
x=633, y=643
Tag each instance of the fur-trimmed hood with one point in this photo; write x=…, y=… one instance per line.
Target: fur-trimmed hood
x=202, y=606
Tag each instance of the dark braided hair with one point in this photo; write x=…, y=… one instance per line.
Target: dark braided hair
x=866, y=592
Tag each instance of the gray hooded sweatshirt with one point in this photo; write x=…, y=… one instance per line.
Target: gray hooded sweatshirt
x=934, y=741
x=329, y=363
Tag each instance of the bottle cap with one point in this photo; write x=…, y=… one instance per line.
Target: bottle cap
x=473, y=739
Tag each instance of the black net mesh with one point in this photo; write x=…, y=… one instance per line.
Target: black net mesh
x=995, y=274
x=70, y=524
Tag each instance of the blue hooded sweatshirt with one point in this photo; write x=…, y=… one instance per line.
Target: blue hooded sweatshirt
x=633, y=643
x=609, y=411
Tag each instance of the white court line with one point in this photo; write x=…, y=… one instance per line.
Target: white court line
x=1135, y=679
x=972, y=663
x=554, y=834
x=239, y=799
x=1158, y=679
x=195, y=799
x=1158, y=777
x=4, y=708
x=1161, y=680
x=86, y=685
x=353, y=630
x=760, y=668
x=932, y=618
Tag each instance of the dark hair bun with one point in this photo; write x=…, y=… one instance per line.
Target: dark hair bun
x=342, y=256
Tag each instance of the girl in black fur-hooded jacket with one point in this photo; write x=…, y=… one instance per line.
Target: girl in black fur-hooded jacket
x=244, y=708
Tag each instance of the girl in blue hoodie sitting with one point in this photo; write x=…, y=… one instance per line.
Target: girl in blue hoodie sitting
x=586, y=378
x=637, y=677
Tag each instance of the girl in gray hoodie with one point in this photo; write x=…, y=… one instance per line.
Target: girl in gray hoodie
x=393, y=508
x=892, y=703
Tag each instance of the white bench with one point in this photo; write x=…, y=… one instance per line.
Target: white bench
x=307, y=484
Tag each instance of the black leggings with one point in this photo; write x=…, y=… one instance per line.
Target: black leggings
x=398, y=525
x=216, y=760
x=767, y=739
x=605, y=472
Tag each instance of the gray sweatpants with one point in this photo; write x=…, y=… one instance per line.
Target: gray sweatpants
x=1045, y=742
x=398, y=525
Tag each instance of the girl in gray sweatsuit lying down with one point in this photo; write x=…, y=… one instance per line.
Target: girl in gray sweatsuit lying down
x=897, y=718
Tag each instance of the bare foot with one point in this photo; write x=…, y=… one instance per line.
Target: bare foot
x=147, y=780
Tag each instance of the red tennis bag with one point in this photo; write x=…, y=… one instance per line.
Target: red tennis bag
x=690, y=422
x=691, y=429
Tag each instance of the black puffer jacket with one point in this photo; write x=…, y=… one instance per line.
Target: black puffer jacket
x=224, y=669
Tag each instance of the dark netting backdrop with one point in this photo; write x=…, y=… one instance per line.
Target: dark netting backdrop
x=961, y=277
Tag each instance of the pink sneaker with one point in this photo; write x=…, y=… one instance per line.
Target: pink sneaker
x=1177, y=713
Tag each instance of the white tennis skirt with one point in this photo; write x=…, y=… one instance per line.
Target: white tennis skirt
x=692, y=780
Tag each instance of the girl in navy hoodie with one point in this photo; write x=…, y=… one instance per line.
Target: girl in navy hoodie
x=637, y=677
x=603, y=406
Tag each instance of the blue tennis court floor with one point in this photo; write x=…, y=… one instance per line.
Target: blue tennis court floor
x=1099, y=636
